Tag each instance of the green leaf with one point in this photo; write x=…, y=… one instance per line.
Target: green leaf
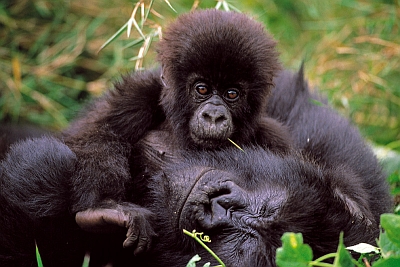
x=391, y=262
x=192, y=262
x=391, y=224
x=343, y=257
x=388, y=248
x=293, y=252
x=86, y=261
x=38, y=258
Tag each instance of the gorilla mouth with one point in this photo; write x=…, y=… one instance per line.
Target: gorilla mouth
x=208, y=141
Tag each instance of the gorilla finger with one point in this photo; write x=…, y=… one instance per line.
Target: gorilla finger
x=131, y=237
x=130, y=241
x=95, y=220
x=144, y=244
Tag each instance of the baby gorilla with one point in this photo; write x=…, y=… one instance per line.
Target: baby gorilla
x=217, y=70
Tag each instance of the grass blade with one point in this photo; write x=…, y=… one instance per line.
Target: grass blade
x=115, y=36
x=169, y=4
x=38, y=258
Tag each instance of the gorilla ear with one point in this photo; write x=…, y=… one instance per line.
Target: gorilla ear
x=356, y=209
x=348, y=190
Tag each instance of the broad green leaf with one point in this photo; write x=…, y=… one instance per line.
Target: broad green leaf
x=343, y=257
x=388, y=248
x=293, y=252
x=391, y=224
x=391, y=262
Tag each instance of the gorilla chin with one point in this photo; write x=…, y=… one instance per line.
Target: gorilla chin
x=246, y=201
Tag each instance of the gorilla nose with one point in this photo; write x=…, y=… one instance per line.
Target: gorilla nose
x=214, y=116
x=222, y=203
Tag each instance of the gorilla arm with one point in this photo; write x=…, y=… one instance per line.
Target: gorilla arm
x=156, y=151
x=102, y=140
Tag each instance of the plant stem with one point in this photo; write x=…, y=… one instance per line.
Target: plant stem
x=204, y=246
x=318, y=262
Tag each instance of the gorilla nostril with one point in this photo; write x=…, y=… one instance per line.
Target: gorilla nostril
x=220, y=119
x=206, y=116
x=225, y=198
x=214, y=117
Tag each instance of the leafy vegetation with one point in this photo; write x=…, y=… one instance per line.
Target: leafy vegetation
x=294, y=253
x=201, y=239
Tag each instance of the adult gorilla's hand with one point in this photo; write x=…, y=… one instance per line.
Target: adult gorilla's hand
x=109, y=219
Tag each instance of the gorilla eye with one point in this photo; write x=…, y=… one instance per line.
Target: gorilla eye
x=201, y=88
x=232, y=94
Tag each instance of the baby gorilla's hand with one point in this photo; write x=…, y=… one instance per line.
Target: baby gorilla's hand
x=106, y=219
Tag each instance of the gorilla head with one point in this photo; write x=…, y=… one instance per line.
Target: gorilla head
x=246, y=201
x=217, y=70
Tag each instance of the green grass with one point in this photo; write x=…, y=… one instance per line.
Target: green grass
x=50, y=64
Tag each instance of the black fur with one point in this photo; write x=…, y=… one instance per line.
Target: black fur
x=226, y=59
x=331, y=182
x=10, y=133
x=246, y=201
x=325, y=136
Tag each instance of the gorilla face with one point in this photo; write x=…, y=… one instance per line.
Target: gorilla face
x=217, y=77
x=246, y=201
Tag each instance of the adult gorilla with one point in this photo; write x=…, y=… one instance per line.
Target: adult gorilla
x=243, y=200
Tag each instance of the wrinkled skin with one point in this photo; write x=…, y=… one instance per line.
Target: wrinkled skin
x=246, y=201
